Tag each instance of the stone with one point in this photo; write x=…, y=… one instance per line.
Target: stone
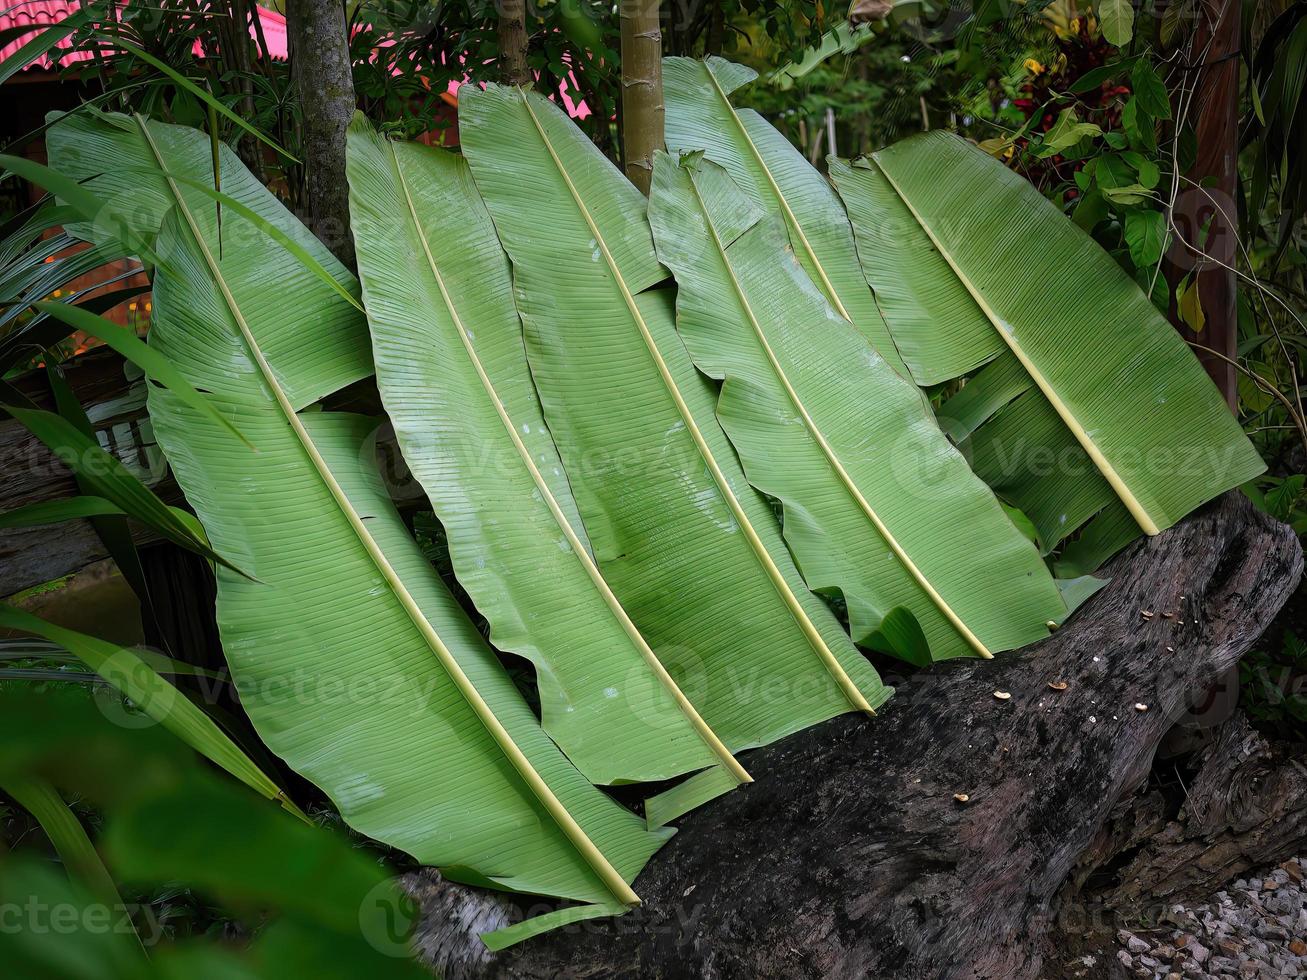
x=1137, y=945
x=1125, y=959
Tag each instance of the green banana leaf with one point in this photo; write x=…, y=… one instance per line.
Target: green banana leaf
x=354, y=662
x=110, y=155
x=773, y=174
x=971, y=263
x=692, y=551
x=455, y=381
x=879, y=507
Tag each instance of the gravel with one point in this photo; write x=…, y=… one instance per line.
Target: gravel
x=1256, y=929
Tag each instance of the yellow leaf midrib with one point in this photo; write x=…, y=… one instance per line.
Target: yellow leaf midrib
x=759, y=550
x=566, y=822
x=846, y=480
x=578, y=547
x=826, y=285
x=1114, y=479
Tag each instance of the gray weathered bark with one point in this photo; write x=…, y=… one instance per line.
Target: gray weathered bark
x=324, y=82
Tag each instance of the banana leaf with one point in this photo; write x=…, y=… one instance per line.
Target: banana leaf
x=109, y=154
x=879, y=507
x=454, y=378
x=774, y=175
x=970, y=263
x=354, y=662
x=692, y=551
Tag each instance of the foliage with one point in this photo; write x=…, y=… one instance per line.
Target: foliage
x=1273, y=684
x=654, y=559
x=166, y=828
x=1079, y=103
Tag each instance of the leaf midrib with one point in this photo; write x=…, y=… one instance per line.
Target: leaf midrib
x=1127, y=497
x=759, y=550
x=827, y=286
x=503, y=740
x=578, y=547
x=828, y=451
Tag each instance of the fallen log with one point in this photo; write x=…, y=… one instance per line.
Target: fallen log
x=932, y=841
x=1244, y=808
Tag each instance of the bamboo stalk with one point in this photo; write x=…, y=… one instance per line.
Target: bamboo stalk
x=642, y=89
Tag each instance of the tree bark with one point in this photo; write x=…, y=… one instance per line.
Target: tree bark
x=513, y=68
x=1245, y=807
x=851, y=855
x=324, y=83
x=1206, y=214
x=642, y=89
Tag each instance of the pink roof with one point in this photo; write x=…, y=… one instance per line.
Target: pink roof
x=43, y=13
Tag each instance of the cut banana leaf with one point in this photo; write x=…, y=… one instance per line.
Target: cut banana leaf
x=354, y=662
x=455, y=381
x=133, y=349
x=691, y=550
x=125, y=161
x=971, y=263
x=773, y=174
x=879, y=507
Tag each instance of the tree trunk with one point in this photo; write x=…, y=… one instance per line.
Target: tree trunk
x=513, y=69
x=936, y=839
x=324, y=82
x=642, y=89
x=716, y=39
x=1206, y=214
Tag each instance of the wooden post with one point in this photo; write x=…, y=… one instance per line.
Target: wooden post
x=1205, y=211
x=642, y=89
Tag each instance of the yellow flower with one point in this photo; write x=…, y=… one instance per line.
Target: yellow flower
x=1034, y=67
x=148, y=307
x=131, y=306
x=57, y=293
x=1074, y=26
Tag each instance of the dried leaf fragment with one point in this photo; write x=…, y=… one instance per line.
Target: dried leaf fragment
x=1141, y=707
x=1058, y=685
x=1002, y=695
x=961, y=797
